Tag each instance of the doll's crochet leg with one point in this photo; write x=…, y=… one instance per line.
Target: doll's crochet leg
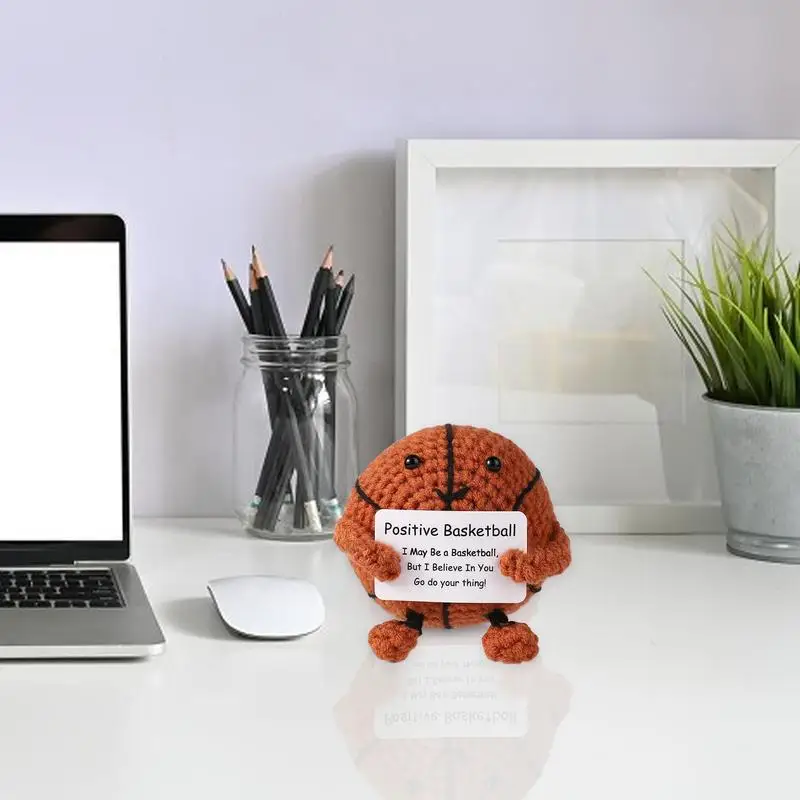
x=394, y=640
x=509, y=642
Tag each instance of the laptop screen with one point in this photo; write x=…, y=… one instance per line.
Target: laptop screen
x=61, y=430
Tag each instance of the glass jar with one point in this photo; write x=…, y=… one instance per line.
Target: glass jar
x=295, y=449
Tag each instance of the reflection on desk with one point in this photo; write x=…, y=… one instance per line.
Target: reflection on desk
x=447, y=723
x=679, y=667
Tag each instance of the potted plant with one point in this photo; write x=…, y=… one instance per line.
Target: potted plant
x=738, y=317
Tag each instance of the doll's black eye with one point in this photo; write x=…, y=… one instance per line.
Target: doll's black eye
x=412, y=461
x=493, y=464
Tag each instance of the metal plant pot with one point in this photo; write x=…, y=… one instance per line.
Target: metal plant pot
x=757, y=451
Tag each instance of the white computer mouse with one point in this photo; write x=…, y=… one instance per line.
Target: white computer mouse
x=268, y=606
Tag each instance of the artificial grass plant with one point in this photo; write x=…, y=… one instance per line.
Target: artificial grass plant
x=739, y=319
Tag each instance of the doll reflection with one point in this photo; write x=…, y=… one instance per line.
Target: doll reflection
x=446, y=724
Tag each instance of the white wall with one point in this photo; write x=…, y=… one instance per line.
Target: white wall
x=211, y=125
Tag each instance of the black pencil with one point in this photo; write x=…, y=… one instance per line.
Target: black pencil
x=339, y=283
x=238, y=297
x=312, y=326
x=345, y=299
x=320, y=462
x=256, y=310
x=323, y=456
x=273, y=389
x=285, y=454
x=309, y=328
x=296, y=408
x=317, y=294
x=270, y=386
x=315, y=300
x=327, y=329
x=270, y=306
x=303, y=488
x=253, y=321
x=327, y=325
x=324, y=289
x=306, y=490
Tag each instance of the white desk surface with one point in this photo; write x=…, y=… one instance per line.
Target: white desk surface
x=668, y=669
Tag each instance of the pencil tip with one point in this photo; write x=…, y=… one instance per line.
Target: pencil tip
x=340, y=278
x=257, y=266
x=327, y=261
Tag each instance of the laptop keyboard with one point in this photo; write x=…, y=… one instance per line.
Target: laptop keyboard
x=86, y=588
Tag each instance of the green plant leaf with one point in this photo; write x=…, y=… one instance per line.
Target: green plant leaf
x=791, y=369
x=705, y=376
x=738, y=318
x=739, y=372
x=792, y=353
x=691, y=331
x=746, y=373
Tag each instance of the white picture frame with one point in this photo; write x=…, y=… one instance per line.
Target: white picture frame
x=424, y=173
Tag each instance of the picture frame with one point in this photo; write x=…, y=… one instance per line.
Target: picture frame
x=476, y=219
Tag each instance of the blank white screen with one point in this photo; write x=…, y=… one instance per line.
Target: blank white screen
x=60, y=392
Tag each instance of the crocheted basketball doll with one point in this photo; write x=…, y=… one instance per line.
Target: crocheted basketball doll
x=458, y=468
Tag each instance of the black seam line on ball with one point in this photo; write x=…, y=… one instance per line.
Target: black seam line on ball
x=521, y=496
x=449, y=498
x=372, y=595
x=414, y=620
x=533, y=588
x=451, y=467
x=366, y=498
x=446, y=615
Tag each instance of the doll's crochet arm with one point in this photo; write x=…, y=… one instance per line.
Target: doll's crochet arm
x=378, y=559
x=533, y=568
x=557, y=552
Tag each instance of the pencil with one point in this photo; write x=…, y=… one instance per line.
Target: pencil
x=280, y=460
x=327, y=329
x=321, y=459
x=272, y=389
x=324, y=288
x=274, y=324
x=238, y=296
x=306, y=490
x=317, y=294
x=280, y=444
x=345, y=300
x=296, y=407
x=252, y=319
x=327, y=325
x=271, y=386
x=257, y=312
x=272, y=313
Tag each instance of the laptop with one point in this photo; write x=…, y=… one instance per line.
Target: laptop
x=66, y=587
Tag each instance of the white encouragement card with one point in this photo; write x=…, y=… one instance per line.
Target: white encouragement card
x=451, y=556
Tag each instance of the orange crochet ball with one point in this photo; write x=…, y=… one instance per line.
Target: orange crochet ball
x=458, y=468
